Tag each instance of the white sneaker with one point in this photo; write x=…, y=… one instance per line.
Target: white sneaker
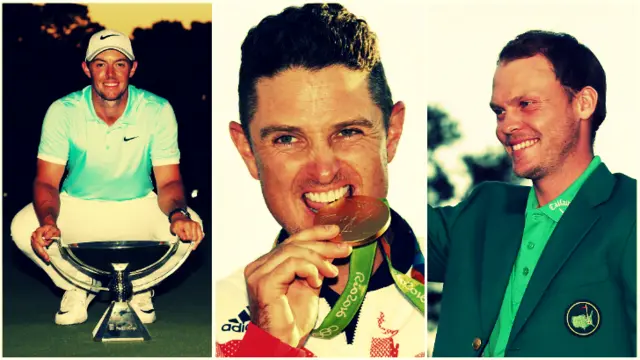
x=73, y=308
x=143, y=306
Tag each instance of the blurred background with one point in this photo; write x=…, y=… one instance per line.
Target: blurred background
x=465, y=39
x=43, y=48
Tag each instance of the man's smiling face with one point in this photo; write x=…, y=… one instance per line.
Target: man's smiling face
x=110, y=72
x=535, y=120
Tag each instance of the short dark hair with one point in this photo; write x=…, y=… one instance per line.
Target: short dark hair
x=574, y=64
x=313, y=36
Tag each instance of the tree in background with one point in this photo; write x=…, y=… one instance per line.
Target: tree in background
x=442, y=131
x=493, y=165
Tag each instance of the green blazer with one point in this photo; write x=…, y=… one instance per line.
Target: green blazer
x=590, y=260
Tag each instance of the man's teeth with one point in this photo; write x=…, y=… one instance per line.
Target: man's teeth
x=524, y=145
x=329, y=196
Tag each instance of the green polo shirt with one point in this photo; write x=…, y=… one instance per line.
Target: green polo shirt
x=538, y=227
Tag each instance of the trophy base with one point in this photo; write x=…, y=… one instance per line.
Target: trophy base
x=120, y=323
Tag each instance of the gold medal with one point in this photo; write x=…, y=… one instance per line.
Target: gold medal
x=362, y=219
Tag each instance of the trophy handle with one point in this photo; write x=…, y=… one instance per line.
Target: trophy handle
x=80, y=266
x=172, y=250
x=153, y=282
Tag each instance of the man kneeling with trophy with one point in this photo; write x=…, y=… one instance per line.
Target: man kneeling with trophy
x=109, y=136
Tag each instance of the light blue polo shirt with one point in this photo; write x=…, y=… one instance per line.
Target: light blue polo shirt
x=110, y=162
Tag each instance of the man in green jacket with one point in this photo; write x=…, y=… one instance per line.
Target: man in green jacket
x=547, y=270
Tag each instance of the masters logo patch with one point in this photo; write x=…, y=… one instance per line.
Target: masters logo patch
x=583, y=318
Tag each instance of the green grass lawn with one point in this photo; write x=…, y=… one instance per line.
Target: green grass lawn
x=30, y=301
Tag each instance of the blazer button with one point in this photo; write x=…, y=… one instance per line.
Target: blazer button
x=476, y=343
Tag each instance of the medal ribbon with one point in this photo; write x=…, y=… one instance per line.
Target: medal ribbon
x=345, y=309
x=360, y=270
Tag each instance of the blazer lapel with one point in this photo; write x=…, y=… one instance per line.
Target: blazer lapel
x=502, y=241
x=574, y=225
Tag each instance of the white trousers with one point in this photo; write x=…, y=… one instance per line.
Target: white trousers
x=96, y=220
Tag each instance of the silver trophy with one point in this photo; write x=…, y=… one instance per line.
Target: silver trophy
x=122, y=265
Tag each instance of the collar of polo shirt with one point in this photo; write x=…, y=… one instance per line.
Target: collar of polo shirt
x=556, y=208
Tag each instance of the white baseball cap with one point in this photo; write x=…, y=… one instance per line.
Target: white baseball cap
x=106, y=40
